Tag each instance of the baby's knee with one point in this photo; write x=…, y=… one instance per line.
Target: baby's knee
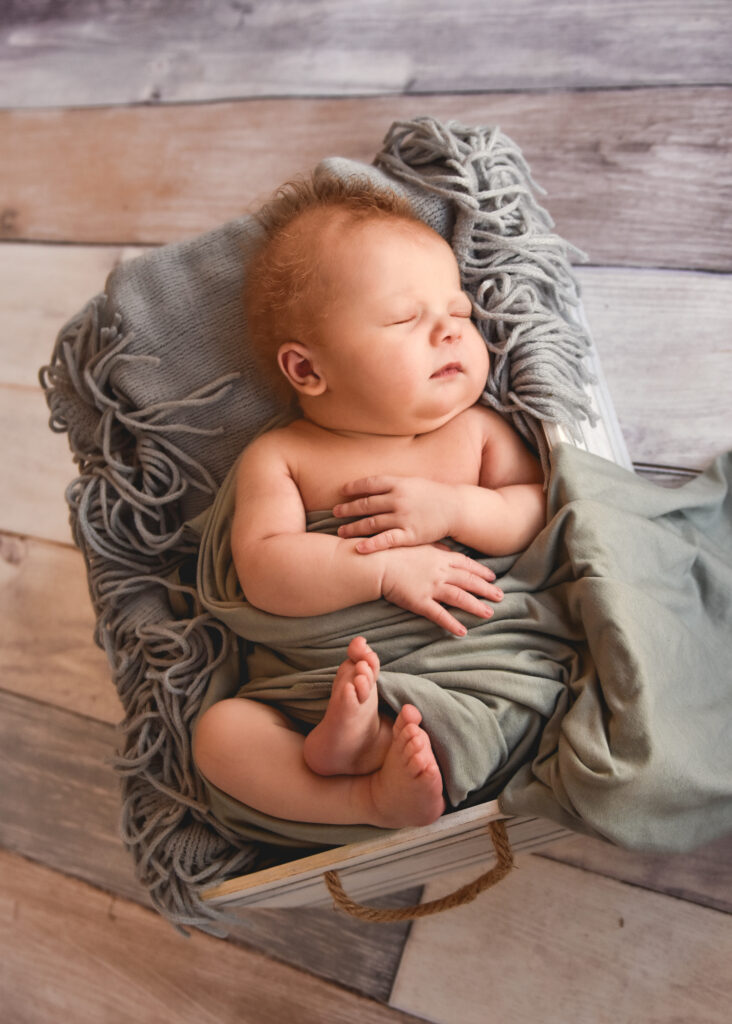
x=217, y=730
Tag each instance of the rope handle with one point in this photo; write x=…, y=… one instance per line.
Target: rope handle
x=465, y=894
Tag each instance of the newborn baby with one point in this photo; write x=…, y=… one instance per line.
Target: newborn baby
x=358, y=306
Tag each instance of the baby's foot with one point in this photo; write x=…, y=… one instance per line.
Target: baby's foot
x=352, y=738
x=407, y=791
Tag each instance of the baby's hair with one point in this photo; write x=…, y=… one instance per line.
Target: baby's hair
x=283, y=269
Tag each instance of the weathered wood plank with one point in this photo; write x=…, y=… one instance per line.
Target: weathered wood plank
x=706, y=873
x=634, y=177
x=38, y=465
x=47, y=651
x=71, y=952
x=84, y=53
x=59, y=799
x=554, y=944
x=41, y=287
x=665, y=343
x=59, y=805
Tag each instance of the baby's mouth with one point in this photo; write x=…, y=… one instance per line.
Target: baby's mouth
x=448, y=370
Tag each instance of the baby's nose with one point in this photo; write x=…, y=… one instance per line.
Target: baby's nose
x=447, y=328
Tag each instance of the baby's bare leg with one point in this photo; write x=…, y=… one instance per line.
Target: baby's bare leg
x=250, y=751
x=352, y=738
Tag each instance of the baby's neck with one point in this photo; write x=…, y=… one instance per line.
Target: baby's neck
x=382, y=437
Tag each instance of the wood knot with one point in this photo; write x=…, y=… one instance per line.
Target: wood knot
x=12, y=549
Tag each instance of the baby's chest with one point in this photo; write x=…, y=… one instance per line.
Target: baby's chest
x=321, y=479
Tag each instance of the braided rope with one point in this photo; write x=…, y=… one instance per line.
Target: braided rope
x=465, y=894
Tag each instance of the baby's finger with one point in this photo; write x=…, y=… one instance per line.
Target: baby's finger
x=369, y=485
x=471, y=565
x=470, y=581
x=368, y=505
x=438, y=614
x=381, y=541
x=365, y=527
x=456, y=597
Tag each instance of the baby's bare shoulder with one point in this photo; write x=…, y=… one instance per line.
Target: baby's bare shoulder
x=273, y=447
x=484, y=424
x=506, y=457
x=267, y=499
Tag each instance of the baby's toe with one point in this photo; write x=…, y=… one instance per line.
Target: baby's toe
x=363, y=681
x=406, y=737
x=408, y=715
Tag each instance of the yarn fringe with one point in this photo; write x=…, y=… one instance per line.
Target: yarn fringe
x=125, y=518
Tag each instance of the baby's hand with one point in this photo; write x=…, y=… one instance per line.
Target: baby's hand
x=419, y=578
x=399, y=511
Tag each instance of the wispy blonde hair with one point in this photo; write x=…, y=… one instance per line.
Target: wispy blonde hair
x=282, y=271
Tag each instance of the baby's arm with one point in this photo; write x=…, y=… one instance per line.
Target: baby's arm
x=281, y=568
x=508, y=509
x=287, y=571
x=501, y=515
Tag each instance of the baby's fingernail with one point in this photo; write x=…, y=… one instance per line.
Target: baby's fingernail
x=488, y=612
x=491, y=575
x=499, y=593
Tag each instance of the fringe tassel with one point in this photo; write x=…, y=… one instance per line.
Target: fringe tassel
x=125, y=518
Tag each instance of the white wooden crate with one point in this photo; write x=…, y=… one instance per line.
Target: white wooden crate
x=459, y=840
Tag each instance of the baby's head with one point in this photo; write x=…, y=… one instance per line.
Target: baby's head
x=358, y=304
x=285, y=294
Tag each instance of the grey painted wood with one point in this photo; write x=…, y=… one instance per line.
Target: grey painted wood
x=162, y=51
x=703, y=876
x=557, y=946
x=636, y=177
x=59, y=805
x=59, y=800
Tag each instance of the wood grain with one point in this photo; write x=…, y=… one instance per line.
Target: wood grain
x=47, y=651
x=38, y=467
x=636, y=177
x=665, y=345
x=41, y=287
x=553, y=944
x=60, y=805
x=86, y=53
x=73, y=953
x=59, y=799
x=704, y=876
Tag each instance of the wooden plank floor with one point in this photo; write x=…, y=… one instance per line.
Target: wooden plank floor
x=128, y=124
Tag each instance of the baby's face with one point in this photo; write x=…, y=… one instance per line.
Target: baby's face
x=393, y=328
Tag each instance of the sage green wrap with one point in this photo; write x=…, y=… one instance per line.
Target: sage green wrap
x=599, y=695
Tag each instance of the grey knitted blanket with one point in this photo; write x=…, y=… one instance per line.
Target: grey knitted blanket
x=138, y=377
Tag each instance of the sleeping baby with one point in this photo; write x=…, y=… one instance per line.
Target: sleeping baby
x=357, y=306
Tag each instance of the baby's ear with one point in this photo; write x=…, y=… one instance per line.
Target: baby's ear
x=300, y=367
